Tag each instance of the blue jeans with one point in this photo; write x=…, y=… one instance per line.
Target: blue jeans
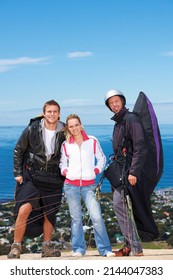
x=73, y=195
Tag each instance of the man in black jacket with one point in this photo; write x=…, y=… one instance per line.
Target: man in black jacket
x=129, y=131
x=39, y=183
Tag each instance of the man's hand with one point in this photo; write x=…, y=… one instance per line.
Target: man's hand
x=132, y=180
x=19, y=179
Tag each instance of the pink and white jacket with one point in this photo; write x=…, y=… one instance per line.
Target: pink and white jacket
x=80, y=165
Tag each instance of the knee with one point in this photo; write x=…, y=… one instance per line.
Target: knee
x=25, y=210
x=96, y=216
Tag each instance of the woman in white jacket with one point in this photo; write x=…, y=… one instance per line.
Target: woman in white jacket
x=81, y=160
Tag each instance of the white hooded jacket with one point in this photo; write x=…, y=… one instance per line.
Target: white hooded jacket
x=82, y=163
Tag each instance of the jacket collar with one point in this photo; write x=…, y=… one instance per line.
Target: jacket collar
x=85, y=137
x=59, y=125
x=120, y=116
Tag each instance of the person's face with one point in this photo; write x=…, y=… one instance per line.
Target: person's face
x=51, y=114
x=74, y=127
x=115, y=103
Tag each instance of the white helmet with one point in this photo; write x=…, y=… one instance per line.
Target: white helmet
x=114, y=92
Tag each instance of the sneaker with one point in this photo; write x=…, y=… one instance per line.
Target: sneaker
x=77, y=254
x=15, y=251
x=125, y=251
x=110, y=254
x=50, y=249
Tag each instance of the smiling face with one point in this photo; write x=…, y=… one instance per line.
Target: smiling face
x=115, y=103
x=74, y=126
x=51, y=115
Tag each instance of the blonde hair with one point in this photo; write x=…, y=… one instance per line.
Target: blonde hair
x=69, y=117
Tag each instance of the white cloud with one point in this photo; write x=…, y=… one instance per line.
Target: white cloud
x=7, y=64
x=79, y=54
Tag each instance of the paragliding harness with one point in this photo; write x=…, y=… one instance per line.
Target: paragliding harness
x=116, y=169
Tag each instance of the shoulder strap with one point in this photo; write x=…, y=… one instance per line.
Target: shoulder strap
x=123, y=143
x=122, y=148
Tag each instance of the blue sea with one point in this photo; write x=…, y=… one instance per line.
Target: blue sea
x=10, y=134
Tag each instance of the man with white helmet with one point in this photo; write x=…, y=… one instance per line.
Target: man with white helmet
x=128, y=125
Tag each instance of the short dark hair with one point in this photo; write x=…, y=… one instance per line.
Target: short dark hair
x=51, y=102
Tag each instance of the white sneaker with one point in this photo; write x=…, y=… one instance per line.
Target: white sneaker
x=77, y=254
x=110, y=254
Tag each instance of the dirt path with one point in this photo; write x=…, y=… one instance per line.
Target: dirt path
x=156, y=254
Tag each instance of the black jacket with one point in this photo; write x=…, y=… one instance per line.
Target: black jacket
x=29, y=152
x=128, y=125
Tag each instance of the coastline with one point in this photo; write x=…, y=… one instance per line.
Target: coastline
x=9, y=136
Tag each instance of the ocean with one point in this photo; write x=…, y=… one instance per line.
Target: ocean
x=10, y=134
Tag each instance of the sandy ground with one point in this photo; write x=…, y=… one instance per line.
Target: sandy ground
x=156, y=254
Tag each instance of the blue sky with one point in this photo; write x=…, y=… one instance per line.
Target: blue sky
x=73, y=51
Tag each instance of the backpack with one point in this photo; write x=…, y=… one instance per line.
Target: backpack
x=153, y=167
x=152, y=170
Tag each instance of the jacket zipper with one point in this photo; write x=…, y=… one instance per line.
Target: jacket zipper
x=81, y=166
